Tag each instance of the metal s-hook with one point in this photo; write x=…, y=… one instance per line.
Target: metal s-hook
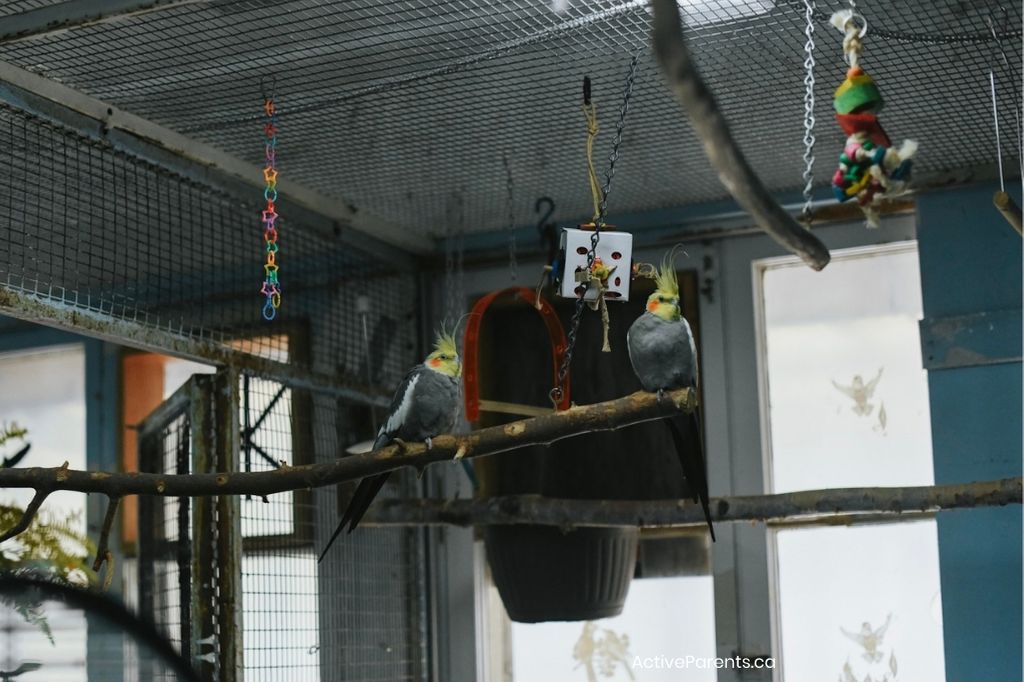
x=272, y=91
x=542, y=223
x=547, y=231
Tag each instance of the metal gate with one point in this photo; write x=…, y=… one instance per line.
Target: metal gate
x=190, y=548
x=233, y=580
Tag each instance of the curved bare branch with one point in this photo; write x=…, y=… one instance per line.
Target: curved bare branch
x=711, y=127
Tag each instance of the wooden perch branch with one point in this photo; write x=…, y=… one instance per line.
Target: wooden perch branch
x=607, y=416
x=846, y=504
x=711, y=127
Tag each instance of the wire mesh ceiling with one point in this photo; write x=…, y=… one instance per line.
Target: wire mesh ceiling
x=405, y=109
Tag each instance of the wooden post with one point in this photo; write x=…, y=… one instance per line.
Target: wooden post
x=224, y=399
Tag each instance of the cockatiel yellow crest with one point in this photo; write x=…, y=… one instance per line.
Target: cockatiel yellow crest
x=664, y=302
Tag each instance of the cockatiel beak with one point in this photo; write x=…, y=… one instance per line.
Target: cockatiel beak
x=665, y=306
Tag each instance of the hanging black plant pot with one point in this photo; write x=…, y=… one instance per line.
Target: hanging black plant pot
x=545, y=573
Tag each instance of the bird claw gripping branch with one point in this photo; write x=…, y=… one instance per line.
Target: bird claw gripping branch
x=271, y=288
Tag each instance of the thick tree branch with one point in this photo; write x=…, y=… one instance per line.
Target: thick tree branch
x=846, y=504
x=711, y=127
x=607, y=416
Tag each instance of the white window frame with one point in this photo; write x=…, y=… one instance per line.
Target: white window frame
x=758, y=269
x=737, y=439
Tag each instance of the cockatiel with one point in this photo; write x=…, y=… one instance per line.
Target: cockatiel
x=424, y=406
x=664, y=357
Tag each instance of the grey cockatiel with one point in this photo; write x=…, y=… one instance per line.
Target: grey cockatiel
x=424, y=406
x=664, y=357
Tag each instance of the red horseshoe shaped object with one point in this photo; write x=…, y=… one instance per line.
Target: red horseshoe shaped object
x=471, y=354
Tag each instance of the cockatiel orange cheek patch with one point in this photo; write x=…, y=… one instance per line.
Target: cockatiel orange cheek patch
x=652, y=306
x=435, y=362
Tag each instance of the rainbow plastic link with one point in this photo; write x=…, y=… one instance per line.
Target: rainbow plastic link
x=271, y=286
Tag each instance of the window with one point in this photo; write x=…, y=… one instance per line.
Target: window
x=665, y=622
x=845, y=404
x=44, y=392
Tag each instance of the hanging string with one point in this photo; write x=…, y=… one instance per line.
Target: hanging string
x=853, y=45
x=1018, y=123
x=449, y=259
x=995, y=119
x=809, y=140
x=590, y=114
x=513, y=264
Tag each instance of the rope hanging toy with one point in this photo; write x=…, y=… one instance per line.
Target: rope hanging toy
x=271, y=288
x=870, y=168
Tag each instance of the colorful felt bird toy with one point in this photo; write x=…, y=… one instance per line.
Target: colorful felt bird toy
x=869, y=166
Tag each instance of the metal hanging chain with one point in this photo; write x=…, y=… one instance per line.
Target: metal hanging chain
x=513, y=264
x=556, y=393
x=808, y=174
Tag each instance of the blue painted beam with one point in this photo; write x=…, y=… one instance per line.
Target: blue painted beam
x=65, y=15
x=985, y=338
x=16, y=335
x=102, y=453
x=970, y=268
x=648, y=227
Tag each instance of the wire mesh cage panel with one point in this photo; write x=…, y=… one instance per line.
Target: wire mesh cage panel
x=279, y=569
x=12, y=7
x=395, y=107
x=113, y=245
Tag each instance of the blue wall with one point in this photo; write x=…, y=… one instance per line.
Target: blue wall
x=971, y=263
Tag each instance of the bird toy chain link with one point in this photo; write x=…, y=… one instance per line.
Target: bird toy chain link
x=556, y=393
x=271, y=286
x=809, y=140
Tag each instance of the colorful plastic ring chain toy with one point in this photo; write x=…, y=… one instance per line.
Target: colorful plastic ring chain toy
x=271, y=288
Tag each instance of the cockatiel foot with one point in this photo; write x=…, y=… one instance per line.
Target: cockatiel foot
x=402, y=445
x=429, y=443
x=661, y=395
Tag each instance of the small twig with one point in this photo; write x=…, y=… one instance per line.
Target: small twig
x=849, y=505
x=721, y=149
x=102, y=551
x=26, y=518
